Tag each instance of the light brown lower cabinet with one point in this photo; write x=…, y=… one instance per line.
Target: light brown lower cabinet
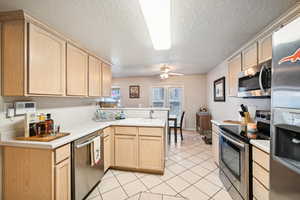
x=126, y=151
x=215, y=143
x=150, y=153
x=139, y=148
x=261, y=175
x=35, y=174
x=107, y=152
x=63, y=180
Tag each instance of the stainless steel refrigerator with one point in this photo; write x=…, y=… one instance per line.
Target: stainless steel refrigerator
x=285, y=129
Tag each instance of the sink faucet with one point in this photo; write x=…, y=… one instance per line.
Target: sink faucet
x=151, y=113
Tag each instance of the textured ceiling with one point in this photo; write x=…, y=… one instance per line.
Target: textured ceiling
x=204, y=32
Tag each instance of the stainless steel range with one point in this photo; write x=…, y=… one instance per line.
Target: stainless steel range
x=234, y=162
x=236, y=159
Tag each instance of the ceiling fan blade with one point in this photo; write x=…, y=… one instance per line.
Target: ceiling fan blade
x=175, y=74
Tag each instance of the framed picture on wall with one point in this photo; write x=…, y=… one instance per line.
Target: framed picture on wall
x=134, y=91
x=219, y=90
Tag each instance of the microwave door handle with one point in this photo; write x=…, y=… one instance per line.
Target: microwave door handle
x=260, y=78
x=233, y=141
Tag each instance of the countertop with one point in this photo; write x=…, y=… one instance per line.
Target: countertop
x=221, y=122
x=263, y=145
x=82, y=130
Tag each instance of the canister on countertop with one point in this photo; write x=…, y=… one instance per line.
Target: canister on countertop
x=251, y=130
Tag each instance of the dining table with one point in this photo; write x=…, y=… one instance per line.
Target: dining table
x=174, y=119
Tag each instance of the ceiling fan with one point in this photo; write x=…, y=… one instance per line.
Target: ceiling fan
x=165, y=72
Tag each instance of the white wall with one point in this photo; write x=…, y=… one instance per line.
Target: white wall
x=228, y=110
x=194, y=92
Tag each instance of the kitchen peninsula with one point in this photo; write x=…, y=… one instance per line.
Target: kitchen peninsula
x=135, y=144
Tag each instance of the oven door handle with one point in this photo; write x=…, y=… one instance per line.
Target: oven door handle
x=241, y=145
x=87, y=142
x=260, y=77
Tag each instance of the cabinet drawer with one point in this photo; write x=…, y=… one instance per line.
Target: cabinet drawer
x=151, y=132
x=125, y=130
x=261, y=158
x=62, y=153
x=259, y=191
x=261, y=175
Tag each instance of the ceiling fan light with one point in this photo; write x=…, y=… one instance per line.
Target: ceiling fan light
x=164, y=76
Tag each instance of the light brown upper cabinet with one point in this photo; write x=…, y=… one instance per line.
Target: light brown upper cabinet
x=95, y=77
x=77, y=71
x=234, y=68
x=265, y=49
x=46, y=62
x=36, y=60
x=33, y=60
x=250, y=57
x=106, y=80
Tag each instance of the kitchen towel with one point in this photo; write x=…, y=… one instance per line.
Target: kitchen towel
x=95, y=151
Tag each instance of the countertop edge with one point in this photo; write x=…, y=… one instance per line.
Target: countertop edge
x=263, y=145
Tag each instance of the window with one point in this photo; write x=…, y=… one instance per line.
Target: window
x=168, y=97
x=175, y=101
x=116, y=95
x=158, y=97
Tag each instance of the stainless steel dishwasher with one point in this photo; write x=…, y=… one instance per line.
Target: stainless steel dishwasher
x=85, y=176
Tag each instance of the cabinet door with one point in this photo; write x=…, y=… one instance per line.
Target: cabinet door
x=126, y=151
x=63, y=180
x=106, y=80
x=150, y=153
x=215, y=147
x=77, y=71
x=107, y=152
x=95, y=76
x=234, y=68
x=265, y=49
x=250, y=57
x=46, y=63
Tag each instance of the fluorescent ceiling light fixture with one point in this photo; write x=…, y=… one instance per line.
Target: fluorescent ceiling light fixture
x=157, y=14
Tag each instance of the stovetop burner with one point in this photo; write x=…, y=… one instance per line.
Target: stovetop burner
x=237, y=131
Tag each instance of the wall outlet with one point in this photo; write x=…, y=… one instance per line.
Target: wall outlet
x=10, y=112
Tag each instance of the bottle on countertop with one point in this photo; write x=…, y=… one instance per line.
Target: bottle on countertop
x=42, y=125
x=49, y=124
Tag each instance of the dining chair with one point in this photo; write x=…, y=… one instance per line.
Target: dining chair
x=179, y=125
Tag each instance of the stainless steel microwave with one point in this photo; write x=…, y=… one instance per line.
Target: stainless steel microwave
x=256, y=81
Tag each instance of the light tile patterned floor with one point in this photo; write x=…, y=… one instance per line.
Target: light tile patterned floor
x=190, y=174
